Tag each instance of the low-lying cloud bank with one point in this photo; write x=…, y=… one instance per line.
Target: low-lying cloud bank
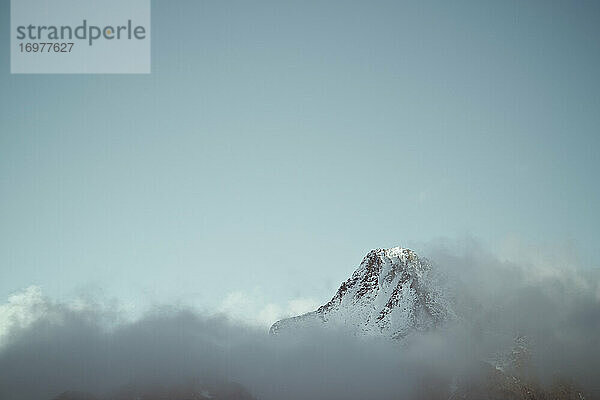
x=54, y=347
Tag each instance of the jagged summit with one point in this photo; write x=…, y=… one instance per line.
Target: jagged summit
x=392, y=293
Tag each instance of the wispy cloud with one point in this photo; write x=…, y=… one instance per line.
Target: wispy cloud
x=255, y=309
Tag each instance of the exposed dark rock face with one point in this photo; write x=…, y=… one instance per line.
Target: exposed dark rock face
x=490, y=383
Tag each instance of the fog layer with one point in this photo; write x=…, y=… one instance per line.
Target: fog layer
x=554, y=307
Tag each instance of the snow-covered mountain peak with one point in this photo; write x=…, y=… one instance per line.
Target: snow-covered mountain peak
x=392, y=293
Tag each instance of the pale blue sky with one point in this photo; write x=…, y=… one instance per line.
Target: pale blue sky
x=275, y=143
